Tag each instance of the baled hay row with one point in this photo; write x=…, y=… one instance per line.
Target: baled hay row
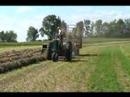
x=22, y=54
x=10, y=59
x=19, y=59
x=20, y=63
x=16, y=53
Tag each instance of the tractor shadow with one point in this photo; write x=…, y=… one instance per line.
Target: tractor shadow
x=79, y=60
x=84, y=55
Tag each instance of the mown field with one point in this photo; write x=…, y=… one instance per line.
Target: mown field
x=103, y=66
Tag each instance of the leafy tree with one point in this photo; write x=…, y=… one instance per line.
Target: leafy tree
x=120, y=28
x=63, y=27
x=2, y=36
x=50, y=25
x=115, y=28
x=10, y=36
x=32, y=34
x=98, y=27
x=87, y=26
x=105, y=29
x=127, y=28
x=112, y=29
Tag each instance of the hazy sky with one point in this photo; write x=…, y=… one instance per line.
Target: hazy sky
x=19, y=18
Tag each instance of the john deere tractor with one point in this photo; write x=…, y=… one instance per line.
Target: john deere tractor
x=56, y=48
x=59, y=47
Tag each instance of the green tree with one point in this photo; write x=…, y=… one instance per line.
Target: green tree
x=10, y=36
x=116, y=28
x=120, y=28
x=105, y=29
x=112, y=28
x=2, y=36
x=92, y=27
x=50, y=25
x=32, y=34
x=127, y=28
x=64, y=28
x=98, y=27
x=87, y=27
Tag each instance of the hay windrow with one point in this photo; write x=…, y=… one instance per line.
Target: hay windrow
x=15, y=59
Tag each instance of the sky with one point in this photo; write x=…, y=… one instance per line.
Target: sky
x=19, y=18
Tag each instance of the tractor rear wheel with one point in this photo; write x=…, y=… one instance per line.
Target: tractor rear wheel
x=68, y=52
x=68, y=55
x=54, y=56
x=49, y=52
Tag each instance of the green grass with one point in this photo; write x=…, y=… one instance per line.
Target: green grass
x=104, y=40
x=124, y=60
x=104, y=78
x=50, y=76
x=103, y=66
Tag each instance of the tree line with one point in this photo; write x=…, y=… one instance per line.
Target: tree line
x=117, y=28
x=8, y=36
x=50, y=25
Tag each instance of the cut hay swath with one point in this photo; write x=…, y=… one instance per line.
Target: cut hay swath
x=16, y=59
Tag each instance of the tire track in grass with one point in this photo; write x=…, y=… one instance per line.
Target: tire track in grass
x=122, y=73
x=67, y=78
x=84, y=75
x=74, y=78
x=79, y=75
x=123, y=78
x=60, y=77
x=104, y=79
x=125, y=61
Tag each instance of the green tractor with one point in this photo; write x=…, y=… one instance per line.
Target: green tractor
x=59, y=47
x=56, y=48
